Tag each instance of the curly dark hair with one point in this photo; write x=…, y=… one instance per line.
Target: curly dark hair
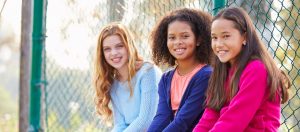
x=200, y=23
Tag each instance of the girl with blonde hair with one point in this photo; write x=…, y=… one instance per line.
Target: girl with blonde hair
x=125, y=80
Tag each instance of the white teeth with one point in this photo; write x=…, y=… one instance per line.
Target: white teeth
x=221, y=52
x=179, y=50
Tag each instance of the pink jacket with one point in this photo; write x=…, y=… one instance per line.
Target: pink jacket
x=250, y=110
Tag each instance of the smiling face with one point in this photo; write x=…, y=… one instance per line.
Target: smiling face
x=181, y=41
x=115, y=52
x=227, y=41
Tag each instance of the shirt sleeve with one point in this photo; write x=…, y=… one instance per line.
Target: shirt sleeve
x=164, y=114
x=149, y=99
x=207, y=121
x=193, y=106
x=119, y=121
x=242, y=108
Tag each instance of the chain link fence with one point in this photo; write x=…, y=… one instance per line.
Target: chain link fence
x=73, y=27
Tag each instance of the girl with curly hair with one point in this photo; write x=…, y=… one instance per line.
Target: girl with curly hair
x=182, y=40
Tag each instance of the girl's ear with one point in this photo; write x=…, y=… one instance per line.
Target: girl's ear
x=244, y=42
x=198, y=42
x=245, y=38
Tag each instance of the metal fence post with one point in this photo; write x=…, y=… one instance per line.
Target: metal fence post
x=26, y=30
x=38, y=41
x=218, y=5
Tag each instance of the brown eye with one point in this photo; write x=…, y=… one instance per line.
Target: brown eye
x=186, y=36
x=171, y=38
x=226, y=36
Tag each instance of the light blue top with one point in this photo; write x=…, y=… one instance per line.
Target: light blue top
x=134, y=114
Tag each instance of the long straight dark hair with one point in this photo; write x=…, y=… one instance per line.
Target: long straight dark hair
x=254, y=49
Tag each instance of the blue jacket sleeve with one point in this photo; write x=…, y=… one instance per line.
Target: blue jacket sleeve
x=164, y=114
x=189, y=114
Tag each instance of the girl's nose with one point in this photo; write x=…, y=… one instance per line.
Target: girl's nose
x=178, y=42
x=113, y=51
x=219, y=43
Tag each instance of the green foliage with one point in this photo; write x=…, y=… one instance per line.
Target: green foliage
x=76, y=124
x=8, y=112
x=6, y=104
x=8, y=122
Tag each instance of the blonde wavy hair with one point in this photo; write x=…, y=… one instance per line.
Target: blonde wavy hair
x=104, y=74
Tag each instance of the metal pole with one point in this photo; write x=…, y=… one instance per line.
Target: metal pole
x=38, y=42
x=26, y=30
x=218, y=5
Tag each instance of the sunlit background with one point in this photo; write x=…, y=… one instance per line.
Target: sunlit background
x=10, y=24
x=72, y=28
